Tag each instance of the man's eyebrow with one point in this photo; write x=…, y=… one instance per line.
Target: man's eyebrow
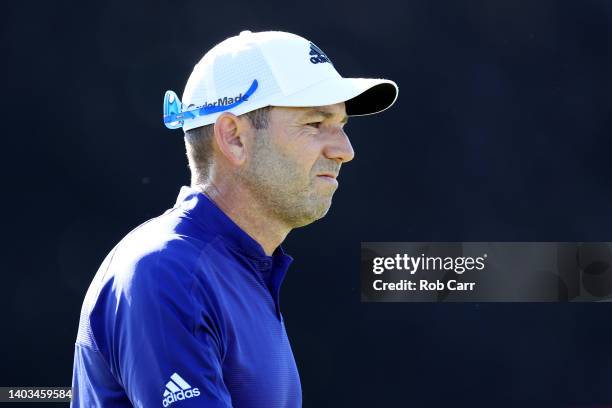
x=318, y=112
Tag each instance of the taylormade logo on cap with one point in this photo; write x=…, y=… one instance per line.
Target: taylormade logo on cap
x=271, y=68
x=223, y=101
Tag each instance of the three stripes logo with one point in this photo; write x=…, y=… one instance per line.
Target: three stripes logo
x=318, y=56
x=178, y=389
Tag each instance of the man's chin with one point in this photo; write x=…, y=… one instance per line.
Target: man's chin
x=313, y=216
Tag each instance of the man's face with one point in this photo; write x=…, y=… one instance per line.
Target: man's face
x=293, y=164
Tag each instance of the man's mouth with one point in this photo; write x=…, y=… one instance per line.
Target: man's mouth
x=328, y=177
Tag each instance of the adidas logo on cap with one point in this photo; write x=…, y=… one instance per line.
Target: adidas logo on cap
x=318, y=55
x=178, y=389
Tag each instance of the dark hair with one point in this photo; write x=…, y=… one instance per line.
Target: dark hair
x=198, y=143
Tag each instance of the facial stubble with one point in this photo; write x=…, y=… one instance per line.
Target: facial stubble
x=282, y=188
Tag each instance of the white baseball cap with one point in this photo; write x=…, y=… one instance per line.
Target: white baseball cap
x=270, y=68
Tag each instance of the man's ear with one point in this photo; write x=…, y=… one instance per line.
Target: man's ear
x=229, y=136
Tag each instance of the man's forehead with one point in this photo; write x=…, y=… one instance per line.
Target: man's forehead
x=327, y=111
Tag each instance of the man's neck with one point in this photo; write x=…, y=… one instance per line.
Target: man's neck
x=248, y=214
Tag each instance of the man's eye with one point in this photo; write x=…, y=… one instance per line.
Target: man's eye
x=314, y=124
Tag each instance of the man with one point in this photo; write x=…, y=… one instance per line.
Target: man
x=184, y=311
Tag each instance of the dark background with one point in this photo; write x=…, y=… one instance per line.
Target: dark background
x=501, y=133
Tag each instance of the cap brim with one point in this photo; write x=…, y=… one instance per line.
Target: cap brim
x=363, y=96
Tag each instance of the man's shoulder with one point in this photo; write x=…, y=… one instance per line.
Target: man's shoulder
x=163, y=247
x=173, y=233
x=160, y=259
x=164, y=239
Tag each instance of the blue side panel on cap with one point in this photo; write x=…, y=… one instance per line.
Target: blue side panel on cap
x=174, y=116
x=172, y=108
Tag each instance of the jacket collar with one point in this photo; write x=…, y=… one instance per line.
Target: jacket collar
x=215, y=221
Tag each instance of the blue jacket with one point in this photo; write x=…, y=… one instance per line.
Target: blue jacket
x=184, y=312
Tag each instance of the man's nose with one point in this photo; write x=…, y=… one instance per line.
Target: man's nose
x=339, y=147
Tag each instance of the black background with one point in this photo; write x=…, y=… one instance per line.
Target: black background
x=501, y=133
